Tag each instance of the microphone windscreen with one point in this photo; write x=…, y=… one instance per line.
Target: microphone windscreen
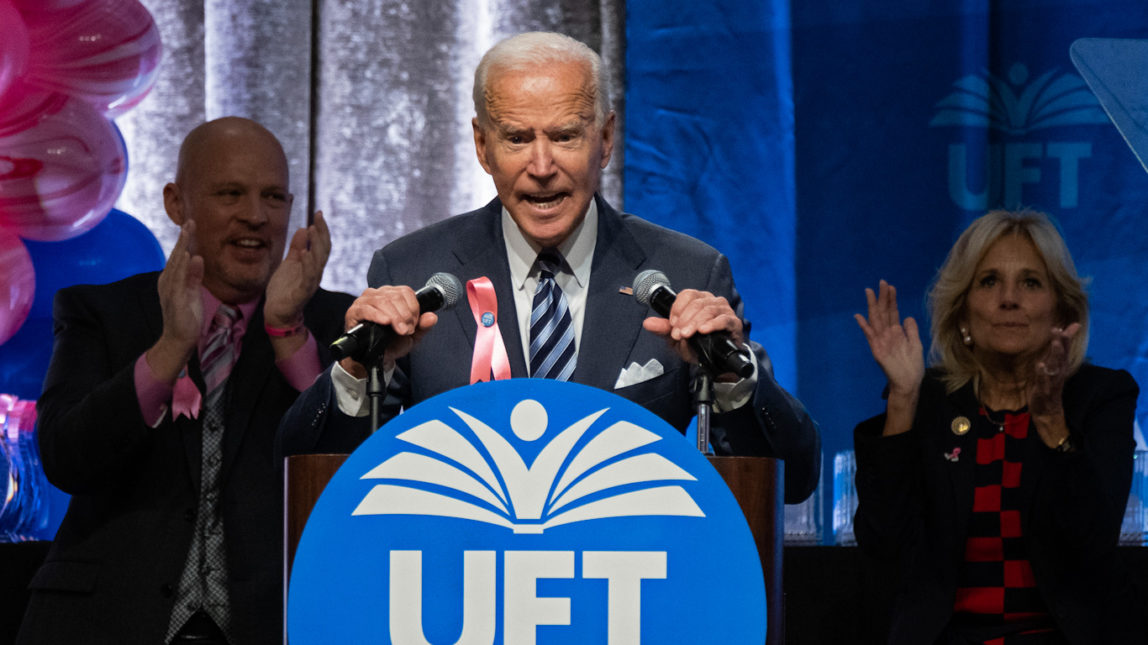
x=646, y=282
x=449, y=285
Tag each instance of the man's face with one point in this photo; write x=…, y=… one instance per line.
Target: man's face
x=234, y=186
x=543, y=147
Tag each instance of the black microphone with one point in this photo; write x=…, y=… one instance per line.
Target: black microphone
x=366, y=341
x=716, y=350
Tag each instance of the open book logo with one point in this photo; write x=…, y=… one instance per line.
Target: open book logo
x=520, y=511
x=1018, y=105
x=479, y=475
x=1019, y=161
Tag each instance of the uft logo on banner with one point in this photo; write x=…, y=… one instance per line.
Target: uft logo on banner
x=526, y=511
x=1014, y=110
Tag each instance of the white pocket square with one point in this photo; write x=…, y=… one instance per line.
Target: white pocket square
x=635, y=373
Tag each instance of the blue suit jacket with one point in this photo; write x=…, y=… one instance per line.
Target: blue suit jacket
x=471, y=245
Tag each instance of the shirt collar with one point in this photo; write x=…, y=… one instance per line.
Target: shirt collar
x=211, y=304
x=577, y=249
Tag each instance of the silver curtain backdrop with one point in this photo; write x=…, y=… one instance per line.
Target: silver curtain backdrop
x=371, y=99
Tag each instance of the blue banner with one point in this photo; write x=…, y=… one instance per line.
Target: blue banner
x=850, y=142
x=911, y=122
x=709, y=145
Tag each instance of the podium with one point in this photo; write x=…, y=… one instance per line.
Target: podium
x=756, y=483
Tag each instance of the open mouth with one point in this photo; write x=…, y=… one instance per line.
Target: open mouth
x=545, y=202
x=249, y=246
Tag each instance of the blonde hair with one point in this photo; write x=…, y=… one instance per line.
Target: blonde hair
x=948, y=297
x=531, y=50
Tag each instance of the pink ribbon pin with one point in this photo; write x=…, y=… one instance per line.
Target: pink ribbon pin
x=185, y=397
x=489, y=350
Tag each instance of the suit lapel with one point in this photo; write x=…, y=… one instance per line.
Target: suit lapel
x=188, y=429
x=244, y=387
x=612, y=320
x=152, y=312
x=963, y=471
x=1036, y=454
x=481, y=251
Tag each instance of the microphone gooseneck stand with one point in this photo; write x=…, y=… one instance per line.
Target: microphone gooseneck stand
x=366, y=342
x=716, y=351
x=376, y=392
x=703, y=387
x=373, y=361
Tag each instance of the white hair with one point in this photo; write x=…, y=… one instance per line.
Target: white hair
x=530, y=50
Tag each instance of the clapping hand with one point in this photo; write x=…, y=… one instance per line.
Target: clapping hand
x=1047, y=385
x=896, y=347
x=182, y=306
x=297, y=277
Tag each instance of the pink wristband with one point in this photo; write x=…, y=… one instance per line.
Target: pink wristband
x=282, y=332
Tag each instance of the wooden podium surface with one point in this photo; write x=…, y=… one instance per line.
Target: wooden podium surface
x=305, y=477
x=756, y=483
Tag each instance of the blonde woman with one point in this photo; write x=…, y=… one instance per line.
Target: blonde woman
x=997, y=478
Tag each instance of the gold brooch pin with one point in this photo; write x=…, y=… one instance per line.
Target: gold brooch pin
x=960, y=425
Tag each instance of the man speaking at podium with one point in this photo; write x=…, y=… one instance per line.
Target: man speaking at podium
x=560, y=262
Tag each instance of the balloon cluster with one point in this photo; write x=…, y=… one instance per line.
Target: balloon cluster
x=66, y=68
x=24, y=491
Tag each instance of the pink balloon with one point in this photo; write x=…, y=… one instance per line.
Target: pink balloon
x=21, y=106
x=17, y=284
x=13, y=46
x=60, y=176
x=106, y=52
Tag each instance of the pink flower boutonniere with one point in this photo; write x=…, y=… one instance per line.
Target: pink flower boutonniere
x=954, y=456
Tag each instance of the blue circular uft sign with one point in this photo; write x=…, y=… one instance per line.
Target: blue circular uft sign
x=526, y=512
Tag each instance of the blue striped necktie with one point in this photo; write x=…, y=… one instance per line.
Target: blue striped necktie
x=552, y=351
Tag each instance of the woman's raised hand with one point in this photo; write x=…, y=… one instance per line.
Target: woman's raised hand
x=896, y=347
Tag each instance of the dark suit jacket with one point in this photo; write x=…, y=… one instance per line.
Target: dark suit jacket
x=915, y=506
x=112, y=570
x=471, y=245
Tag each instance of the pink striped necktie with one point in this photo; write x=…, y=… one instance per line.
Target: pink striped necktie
x=219, y=353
